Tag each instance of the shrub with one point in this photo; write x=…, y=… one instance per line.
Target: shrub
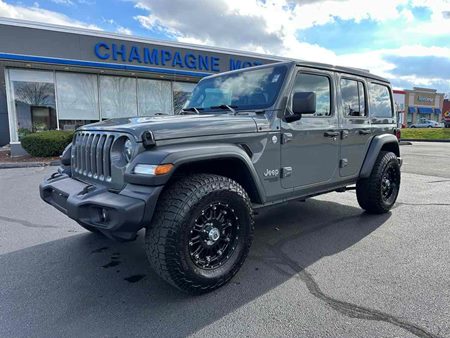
x=47, y=143
x=23, y=132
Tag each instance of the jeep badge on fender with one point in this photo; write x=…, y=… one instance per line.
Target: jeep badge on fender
x=193, y=179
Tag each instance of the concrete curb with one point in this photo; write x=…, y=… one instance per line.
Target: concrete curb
x=419, y=140
x=12, y=165
x=405, y=143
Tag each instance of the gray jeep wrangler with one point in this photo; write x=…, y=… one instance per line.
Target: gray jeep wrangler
x=246, y=139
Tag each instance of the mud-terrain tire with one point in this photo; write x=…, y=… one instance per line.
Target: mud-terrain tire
x=378, y=193
x=197, y=217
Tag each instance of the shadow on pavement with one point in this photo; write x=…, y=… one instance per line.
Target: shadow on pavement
x=87, y=283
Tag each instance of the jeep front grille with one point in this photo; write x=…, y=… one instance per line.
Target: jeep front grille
x=91, y=155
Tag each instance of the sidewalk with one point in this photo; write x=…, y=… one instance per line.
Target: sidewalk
x=7, y=162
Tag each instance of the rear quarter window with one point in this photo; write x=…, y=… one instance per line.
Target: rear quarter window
x=380, y=101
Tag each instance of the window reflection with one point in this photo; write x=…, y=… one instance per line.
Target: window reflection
x=77, y=102
x=117, y=97
x=380, y=101
x=181, y=94
x=39, y=98
x=154, y=97
x=352, y=93
x=34, y=100
x=318, y=84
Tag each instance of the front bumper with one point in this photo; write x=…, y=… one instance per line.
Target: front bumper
x=117, y=215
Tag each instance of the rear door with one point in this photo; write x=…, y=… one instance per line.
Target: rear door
x=355, y=124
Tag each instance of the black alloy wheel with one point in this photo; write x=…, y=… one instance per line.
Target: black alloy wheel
x=214, y=235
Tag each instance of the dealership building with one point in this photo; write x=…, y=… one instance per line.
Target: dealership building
x=54, y=77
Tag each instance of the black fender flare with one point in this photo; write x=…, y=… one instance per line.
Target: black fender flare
x=179, y=155
x=377, y=143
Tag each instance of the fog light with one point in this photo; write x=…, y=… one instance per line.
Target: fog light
x=103, y=215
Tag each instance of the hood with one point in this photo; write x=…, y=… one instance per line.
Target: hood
x=178, y=126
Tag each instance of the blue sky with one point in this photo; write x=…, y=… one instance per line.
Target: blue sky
x=407, y=41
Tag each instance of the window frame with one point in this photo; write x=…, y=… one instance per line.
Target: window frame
x=366, y=96
x=332, y=91
x=386, y=85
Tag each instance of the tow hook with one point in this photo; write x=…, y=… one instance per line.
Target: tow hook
x=86, y=189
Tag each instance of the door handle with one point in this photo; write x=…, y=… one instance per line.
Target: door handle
x=364, y=131
x=331, y=133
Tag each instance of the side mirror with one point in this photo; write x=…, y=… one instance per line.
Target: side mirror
x=304, y=103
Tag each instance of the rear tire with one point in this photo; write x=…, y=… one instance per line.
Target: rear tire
x=378, y=193
x=201, y=232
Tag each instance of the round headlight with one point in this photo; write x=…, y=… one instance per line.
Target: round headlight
x=128, y=150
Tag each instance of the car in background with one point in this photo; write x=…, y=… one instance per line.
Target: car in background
x=425, y=123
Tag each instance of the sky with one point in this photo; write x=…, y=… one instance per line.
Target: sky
x=407, y=41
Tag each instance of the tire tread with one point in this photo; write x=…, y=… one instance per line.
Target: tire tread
x=173, y=206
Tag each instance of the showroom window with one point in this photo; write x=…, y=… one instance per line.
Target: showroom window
x=45, y=100
x=181, y=93
x=117, y=97
x=77, y=99
x=154, y=97
x=33, y=97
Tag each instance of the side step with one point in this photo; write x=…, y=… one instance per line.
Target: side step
x=344, y=189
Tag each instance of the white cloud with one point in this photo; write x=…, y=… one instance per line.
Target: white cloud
x=273, y=27
x=124, y=30
x=64, y=2
x=439, y=24
x=40, y=15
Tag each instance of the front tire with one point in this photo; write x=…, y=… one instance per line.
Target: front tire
x=201, y=232
x=378, y=193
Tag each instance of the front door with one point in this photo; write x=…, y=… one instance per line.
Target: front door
x=310, y=146
x=356, y=128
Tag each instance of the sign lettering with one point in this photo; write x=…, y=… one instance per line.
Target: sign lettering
x=177, y=59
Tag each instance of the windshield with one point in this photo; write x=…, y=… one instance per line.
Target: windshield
x=250, y=89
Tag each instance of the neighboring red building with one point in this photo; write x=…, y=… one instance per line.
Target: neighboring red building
x=446, y=113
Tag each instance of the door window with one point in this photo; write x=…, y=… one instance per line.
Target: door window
x=318, y=84
x=353, y=98
x=380, y=101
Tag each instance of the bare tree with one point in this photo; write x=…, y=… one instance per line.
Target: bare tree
x=35, y=93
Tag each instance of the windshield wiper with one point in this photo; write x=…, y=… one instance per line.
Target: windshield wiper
x=191, y=109
x=225, y=106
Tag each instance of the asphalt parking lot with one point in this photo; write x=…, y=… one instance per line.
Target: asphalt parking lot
x=316, y=268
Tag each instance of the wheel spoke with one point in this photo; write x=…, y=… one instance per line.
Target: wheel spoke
x=213, y=236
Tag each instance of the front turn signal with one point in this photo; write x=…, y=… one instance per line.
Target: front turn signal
x=152, y=170
x=163, y=169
